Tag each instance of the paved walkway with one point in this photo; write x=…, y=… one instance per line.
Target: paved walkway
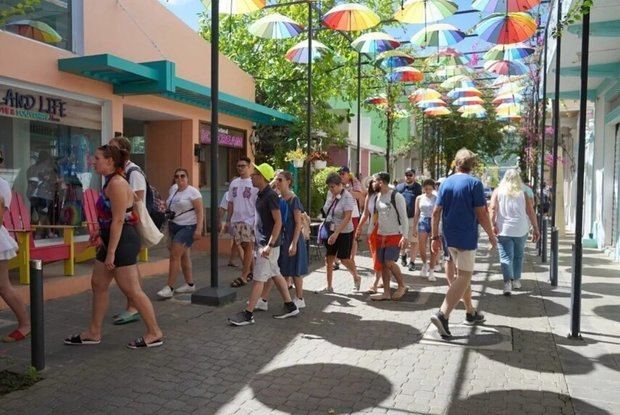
x=344, y=354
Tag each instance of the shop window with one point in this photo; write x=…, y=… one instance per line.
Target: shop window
x=47, y=21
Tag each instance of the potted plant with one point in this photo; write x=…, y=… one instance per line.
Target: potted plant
x=319, y=158
x=296, y=157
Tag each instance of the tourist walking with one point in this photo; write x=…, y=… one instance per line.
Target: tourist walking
x=410, y=189
x=185, y=220
x=226, y=232
x=461, y=206
x=353, y=186
x=392, y=233
x=8, y=250
x=512, y=212
x=424, y=205
x=338, y=209
x=118, y=245
x=241, y=215
x=369, y=216
x=268, y=230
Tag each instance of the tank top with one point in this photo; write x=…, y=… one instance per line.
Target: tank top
x=104, y=208
x=512, y=217
x=427, y=204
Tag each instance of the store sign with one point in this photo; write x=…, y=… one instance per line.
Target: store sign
x=226, y=137
x=31, y=106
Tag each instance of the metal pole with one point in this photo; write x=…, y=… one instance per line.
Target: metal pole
x=37, y=341
x=577, y=247
x=359, y=112
x=215, y=63
x=553, y=269
x=544, y=234
x=309, y=109
x=543, y=136
x=423, y=143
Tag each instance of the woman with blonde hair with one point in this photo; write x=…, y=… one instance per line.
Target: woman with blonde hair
x=510, y=210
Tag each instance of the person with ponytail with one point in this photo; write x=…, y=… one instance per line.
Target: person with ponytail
x=118, y=244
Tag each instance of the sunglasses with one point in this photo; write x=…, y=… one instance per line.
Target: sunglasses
x=179, y=176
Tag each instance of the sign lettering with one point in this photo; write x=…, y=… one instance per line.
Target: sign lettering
x=32, y=107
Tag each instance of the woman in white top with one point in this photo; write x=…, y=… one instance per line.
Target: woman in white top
x=424, y=205
x=185, y=215
x=512, y=212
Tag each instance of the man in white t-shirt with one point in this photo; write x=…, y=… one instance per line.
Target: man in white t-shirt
x=137, y=181
x=241, y=215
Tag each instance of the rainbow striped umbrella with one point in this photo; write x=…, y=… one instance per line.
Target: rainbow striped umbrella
x=299, y=52
x=468, y=101
x=394, y=59
x=35, y=29
x=508, y=109
x=512, y=52
x=505, y=80
x=471, y=108
x=506, y=28
x=431, y=103
x=510, y=88
x=275, y=26
x=506, y=67
x=435, y=111
x=237, y=6
x=439, y=35
x=378, y=100
x=450, y=71
x=462, y=80
x=405, y=74
x=374, y=42
x=423, y=94
x=503, y=6
x=425, y=11
x=350, y=17
x=464, y=92
x=507, y=98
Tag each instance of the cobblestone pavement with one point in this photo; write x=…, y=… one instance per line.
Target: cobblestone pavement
x=343, y=354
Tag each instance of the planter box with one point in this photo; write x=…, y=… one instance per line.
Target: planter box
x=320, y=164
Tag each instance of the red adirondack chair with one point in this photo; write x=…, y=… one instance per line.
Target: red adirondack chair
x=17, y=221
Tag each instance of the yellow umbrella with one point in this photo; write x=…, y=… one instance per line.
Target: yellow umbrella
x=434, y=111
x=237, y=6
x=425, y=11
x=36, y=30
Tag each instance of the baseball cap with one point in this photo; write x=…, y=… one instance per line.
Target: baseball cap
x=410, y=170
x=265, y=170
x=344, y=169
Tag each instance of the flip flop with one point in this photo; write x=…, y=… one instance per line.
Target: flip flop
x=238, y=282
x=126, y=317
x=77, y=340
x=15, y=336
x=139, y=343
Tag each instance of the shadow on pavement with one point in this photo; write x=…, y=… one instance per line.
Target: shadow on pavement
x=612, y=361
x=602, y=288
x=521, y=305
x=322, y=388
x=610, y=312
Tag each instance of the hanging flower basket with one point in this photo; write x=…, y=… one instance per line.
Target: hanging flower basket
x=320, y=164
x=296, y=157
x=298, y=163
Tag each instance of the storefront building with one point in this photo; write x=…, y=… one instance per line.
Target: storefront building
x=111, y=67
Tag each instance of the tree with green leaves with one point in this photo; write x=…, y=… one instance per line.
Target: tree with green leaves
x=18, y=9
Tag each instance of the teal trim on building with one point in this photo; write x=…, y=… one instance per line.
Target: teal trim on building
x=613, y=116
x=573, y=94
x=159, y=78
x=609, y=28
x=603, y=70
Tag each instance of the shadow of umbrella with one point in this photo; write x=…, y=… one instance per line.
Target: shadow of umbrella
x=610, y=312
x=323, y=388
x=611, y=360
x=517, y=402
x=520, y=305
x=603, y=288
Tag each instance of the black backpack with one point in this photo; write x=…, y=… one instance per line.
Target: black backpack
x=392, y=201
x=155, y=205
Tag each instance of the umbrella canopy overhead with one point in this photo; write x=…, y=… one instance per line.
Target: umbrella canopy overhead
x=462, y=81
x=438, y=35
x=503, y=6
x=431, y=103
x=350, y=17
x=510, y=88
x=506, y=67
x=472, y=108
x=394, y=59
x=505, y=80
x=451, y=71
x=468, y=101
x=425, y=11
x=237, y=6
x=405, y=74
x=299, y=52
x=447, y=57
x=503, y=28
x=464, y=92
x=423, y=94
x=275, y=26
x=436, y=111
x=378, y=100
x=35, y=29
x=512, y=52
x=374, y=42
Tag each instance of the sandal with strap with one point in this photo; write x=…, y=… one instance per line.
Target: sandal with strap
x=77, y=340
x=15, y=336
x=140, y=343
x=125, y=317
x=239, y=282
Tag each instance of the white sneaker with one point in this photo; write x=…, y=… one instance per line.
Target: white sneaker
x=507, y=288
x=431, y=275
x=424, y=271
x=185, y=288
x=516, y=284
x=299, y=303
x=261, y=305
x=437, y=268
x=165, y=292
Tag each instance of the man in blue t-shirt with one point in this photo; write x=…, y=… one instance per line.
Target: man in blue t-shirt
x=461, y=206
x=410, y=189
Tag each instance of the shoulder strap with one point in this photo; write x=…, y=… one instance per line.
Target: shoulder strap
x=393, y=201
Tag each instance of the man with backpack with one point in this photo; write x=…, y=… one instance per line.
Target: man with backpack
x=410, y=189
x=393, y=229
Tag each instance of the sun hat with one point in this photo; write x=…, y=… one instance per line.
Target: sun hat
x=265, y=170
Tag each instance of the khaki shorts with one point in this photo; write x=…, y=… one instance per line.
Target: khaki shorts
x=464, y=259
x=265, y=268
x=412, y=231
x=243, y=233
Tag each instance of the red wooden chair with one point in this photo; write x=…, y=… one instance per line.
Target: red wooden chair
x=17, y=221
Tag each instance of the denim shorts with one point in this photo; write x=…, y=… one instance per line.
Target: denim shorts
x=181, y=234
x=424, y=225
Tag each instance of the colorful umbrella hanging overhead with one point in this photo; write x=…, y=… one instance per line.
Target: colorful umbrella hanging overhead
x=299, y=52
x=512, y=52
x=374, y=42
x=507, y=98
x=378, y=100
x=451, y=71
x=505, y=80
x=503, y=6
x=435, y=111
x=237, y=6
x=405, y=74
x=506, y=67
x=510, y=88
x=462, y=81
x=425, y=11
x=503, y=28
x=431, y=103
x=472, y=108
x=468, y=101
x=438, y=35
x=350, y=17
x=275, y=26
x=464, y=92
x=35, y=29
x=423, y=94
x=394, y=59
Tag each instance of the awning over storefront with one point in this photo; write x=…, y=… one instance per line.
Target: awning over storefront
x=159, y=78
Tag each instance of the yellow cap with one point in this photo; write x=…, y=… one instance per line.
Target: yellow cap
x=265, y=170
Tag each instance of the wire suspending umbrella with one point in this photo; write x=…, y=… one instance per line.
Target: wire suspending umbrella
x=299, y=52
x=503, y=28
x=439, y=35
x=275, y=26
x=425, y=11
x=394, y=59
x=237, y=6
x=374, y=42
x=502, y=6
x=511, y=52
x=506, y=67
x=405, y=74
x=350, y=17
x=35, y=29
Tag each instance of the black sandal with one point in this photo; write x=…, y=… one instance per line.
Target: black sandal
x=238, y=283
x=139, y=343
x=77, y=340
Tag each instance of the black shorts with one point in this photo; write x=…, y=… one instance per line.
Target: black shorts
x=127, y=250
x=342, y=248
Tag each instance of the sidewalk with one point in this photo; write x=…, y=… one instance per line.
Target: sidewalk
x=344, y=353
